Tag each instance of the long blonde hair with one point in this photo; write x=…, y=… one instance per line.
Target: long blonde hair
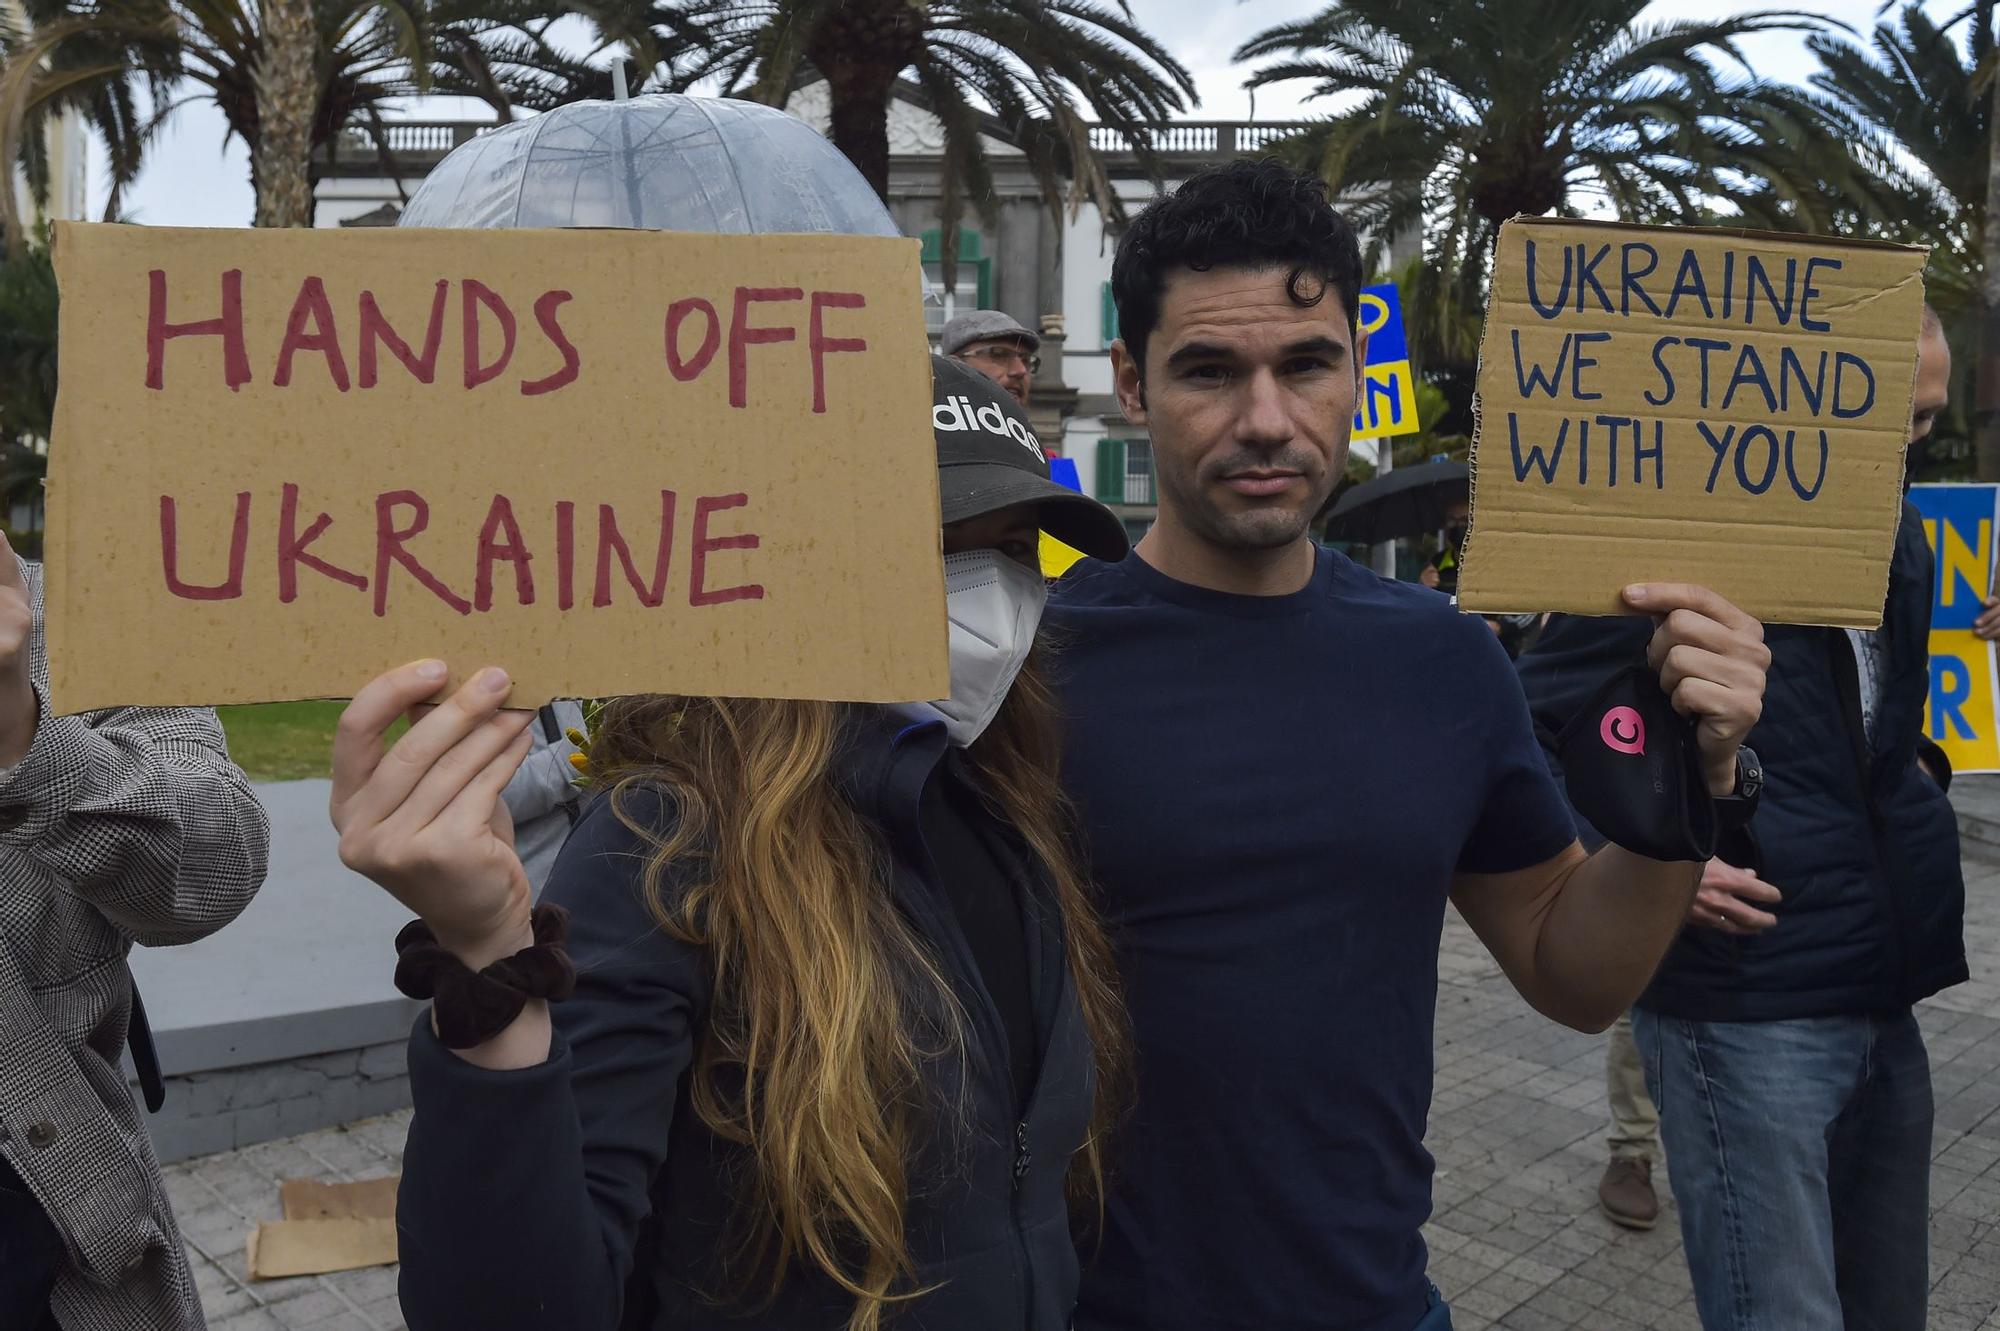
x=827, y=1004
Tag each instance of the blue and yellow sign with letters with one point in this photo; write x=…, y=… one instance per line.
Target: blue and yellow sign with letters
x=1388, y=403
x=1959, y=523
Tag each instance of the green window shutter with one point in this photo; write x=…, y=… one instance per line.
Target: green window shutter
x=1108, y=316
x=1111, y=471
x=933, y=250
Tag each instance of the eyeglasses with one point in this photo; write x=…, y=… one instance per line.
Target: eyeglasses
x=1005, y=356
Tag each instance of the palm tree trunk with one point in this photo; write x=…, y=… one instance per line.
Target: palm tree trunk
x=287, y=97
x=858, y=120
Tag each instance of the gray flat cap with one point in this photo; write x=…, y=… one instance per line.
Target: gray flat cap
x=979, y=326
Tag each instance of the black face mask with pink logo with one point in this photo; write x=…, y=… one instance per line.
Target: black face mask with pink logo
x=1634, y=770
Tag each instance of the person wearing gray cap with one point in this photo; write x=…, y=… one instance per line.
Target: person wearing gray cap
x=997, y=346
x=809, y=1030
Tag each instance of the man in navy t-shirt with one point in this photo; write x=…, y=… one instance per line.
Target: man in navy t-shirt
x=1284, y=765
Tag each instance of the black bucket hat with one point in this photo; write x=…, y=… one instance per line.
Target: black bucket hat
x=989, y=458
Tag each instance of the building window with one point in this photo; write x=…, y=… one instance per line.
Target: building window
x=1125, y=471
x=972, y=291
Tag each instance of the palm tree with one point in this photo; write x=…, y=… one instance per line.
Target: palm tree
x=1036, y=65
x=1919, y=110
x=329, y=66
x=1458, y=114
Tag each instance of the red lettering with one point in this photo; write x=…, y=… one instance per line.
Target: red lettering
x=170, y=553
x=389, y=549
x=545, y=315
x=375, y=328
x=228, y=326
x=698, y=593
x=685, y=370
x=476, y=294
x=565, y=554
x=292, y=549
x=515, y=551
x=311, y=304
x=822, y=346
x=743, y=336
x=609, y=540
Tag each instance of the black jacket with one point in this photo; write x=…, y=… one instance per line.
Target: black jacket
x=1861, y=842
x=529, y=1197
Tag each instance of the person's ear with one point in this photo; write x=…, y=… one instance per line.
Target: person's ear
x=1128, y=381
x=1360, y=363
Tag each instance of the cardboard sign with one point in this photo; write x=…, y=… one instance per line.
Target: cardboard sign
x=1726, y=408
x=610, y=461
x=1959, y=522
x=1388, y=404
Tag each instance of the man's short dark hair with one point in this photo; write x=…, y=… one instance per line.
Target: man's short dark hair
x=1243, y=215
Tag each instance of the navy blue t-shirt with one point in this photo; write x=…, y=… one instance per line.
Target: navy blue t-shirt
x=1275, y=793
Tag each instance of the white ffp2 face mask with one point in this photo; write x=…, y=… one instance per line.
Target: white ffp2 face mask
x=995, y=605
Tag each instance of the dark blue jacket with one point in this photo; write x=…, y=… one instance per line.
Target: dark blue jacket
x=540, y=1198
x=1860, y=840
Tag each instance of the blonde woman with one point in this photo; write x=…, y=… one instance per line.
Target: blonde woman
x=841, y=1009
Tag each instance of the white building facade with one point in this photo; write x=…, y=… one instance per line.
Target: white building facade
x=1050, y=273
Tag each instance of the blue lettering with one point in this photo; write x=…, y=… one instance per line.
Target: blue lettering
x=1754, y=275
x=1806, y=321
x=1951, y=685
x=1658, y=453
x=1579, y=361
x=1705, y=345
x=1530, y=375
x=1721, y=447
x=1841, y=359
x=1666, y=375
x=1555, y=307
x=1628, y=276
x=1546, y=463
x=1792, y=471
x=1790, y=367
x=1689, y=282
x=1770, y=466
x=1754, y=374
x=1586, y=273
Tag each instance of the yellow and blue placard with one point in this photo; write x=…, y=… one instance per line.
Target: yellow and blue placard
x=1056, y=556
x=1959, y=522
x=1388, y=403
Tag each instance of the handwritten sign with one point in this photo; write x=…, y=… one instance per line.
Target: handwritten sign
x=1959, y=523
x=1721, y=407
x=610, y=461
x=1388, y=404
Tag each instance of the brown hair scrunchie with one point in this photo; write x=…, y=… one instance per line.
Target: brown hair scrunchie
x=471, y=1007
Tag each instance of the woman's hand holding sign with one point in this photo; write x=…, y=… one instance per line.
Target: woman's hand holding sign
x=1711, y=660
x=425, y=820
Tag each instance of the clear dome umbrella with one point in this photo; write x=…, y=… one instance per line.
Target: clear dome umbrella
x=662, y=162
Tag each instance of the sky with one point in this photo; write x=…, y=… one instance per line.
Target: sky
x=193, y=179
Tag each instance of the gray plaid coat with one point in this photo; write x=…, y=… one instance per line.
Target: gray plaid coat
x=122, y=826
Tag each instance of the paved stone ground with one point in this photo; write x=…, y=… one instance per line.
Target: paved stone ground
x=1517, y=1128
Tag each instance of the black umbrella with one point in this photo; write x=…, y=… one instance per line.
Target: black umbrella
x=1409, y=501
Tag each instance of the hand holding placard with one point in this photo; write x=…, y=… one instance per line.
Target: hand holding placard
x=18, y=707
x=1722, y=408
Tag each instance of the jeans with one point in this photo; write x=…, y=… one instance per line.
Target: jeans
x=1799, y=1153
x=31, y=1255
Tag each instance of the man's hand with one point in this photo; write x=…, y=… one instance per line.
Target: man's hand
x=1987, y=626
x=18, y=708
x=1429, y=577
x=1723, y=903
x=1711, y=660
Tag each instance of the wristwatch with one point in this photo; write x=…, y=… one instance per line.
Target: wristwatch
x=1735, y=809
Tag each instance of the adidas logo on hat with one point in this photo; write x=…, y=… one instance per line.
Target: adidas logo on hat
x=957, y=413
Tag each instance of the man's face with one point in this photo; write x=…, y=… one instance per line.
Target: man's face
x=1007, y=361
x=1249, y=399
x=1933, y=383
